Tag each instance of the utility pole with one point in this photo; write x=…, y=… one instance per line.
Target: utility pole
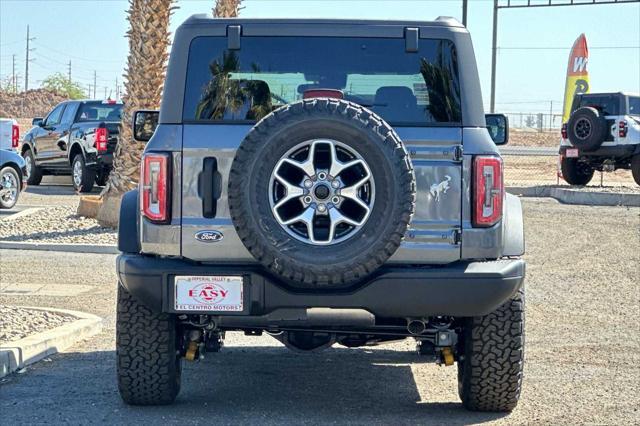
x=105, y=92
x=117, y=90
x=494, y=51
x=69, y=69
x=551, y=115
x=26, y=65
x=94, y=84
x=13, y=74
x=464, y=12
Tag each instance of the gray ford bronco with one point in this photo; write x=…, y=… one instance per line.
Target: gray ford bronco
x=324, y=182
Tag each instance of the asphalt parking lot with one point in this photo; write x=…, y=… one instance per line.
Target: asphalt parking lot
x=582, y=353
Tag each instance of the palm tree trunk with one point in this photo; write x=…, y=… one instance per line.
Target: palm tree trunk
x=227, y=8
x=144, y=77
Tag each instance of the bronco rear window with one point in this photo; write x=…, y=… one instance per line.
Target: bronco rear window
x=406, y=88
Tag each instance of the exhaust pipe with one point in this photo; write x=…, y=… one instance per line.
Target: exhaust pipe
x=416, y=327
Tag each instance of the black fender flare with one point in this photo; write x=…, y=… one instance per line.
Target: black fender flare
x=128, y=229
x=513, y=233
x=71, y=148
x=28, y=144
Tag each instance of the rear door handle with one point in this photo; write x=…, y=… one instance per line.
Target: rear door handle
x=209, y=186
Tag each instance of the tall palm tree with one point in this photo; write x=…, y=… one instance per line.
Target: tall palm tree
x=227, y=8
x=144, y=77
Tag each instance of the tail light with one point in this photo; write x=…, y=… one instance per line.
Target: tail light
x=622, y=129
x=154, y=187
x=15, y=136
x=488, y=191
x=563, y=131
x=102, y=137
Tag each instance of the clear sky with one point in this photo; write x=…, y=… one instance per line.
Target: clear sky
x=534, y=43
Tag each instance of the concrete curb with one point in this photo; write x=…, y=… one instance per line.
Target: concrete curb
x=575, y=196
x=73, y=248
x=31, y=349
x=23, y=213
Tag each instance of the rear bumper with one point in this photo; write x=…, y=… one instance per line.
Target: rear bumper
x=607, y=151
x=462, y=289
x=100, y=161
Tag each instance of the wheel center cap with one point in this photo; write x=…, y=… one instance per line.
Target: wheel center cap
x=322, y=192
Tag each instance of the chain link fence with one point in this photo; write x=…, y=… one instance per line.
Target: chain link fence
x=538, y=166
x=534, y=121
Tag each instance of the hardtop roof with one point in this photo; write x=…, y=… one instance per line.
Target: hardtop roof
x=204, y=19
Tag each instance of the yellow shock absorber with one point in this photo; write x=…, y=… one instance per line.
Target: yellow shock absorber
x=447, y=356
x=192, y=351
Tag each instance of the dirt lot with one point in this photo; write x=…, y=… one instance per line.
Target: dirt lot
x=528, y=138
x=582, y=354
x=543, y=170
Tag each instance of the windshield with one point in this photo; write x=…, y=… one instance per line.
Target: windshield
x=405, y=88
x=634, y=105
x=98, y=111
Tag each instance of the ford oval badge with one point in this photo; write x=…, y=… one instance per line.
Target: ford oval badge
x=209, y=236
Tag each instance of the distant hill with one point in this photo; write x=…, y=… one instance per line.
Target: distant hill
x=29, y=104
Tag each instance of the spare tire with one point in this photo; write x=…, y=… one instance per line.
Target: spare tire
x=587, y=128
x=321, y=192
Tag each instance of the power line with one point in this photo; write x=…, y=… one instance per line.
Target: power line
x=80, y=58
x=10, y=43
x=565, y=48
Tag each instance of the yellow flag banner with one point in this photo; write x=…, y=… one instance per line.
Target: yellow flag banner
x=577, y=74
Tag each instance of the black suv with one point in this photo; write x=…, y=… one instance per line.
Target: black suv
x=325, y=182
x=76, y=138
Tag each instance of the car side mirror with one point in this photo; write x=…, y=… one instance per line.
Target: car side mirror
x=144, y=124
x=498, y=126
x=38, y=121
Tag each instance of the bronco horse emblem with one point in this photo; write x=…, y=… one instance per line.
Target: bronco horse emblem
x=440, y=188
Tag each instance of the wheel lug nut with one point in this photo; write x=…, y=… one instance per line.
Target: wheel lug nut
x=322, y=208
x=308, y=183
x=307, y=199
x=335, y=200
x=335, y=184
x=322, y=175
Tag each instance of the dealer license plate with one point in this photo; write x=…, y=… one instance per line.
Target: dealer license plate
x=572, y=153
x=208, y=293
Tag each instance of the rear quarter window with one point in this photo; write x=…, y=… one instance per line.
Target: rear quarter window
x=406, y=88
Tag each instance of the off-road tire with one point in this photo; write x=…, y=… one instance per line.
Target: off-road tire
x=492, y=346
x=304, y=265
x=35, y=177
x=148, y=366
x=635, y=168
x=575, y=172
x=88, y=175
x=591, y=140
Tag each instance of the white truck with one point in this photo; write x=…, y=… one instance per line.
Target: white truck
x=9, y=134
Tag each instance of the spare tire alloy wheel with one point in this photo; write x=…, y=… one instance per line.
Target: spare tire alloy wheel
x=582, y=128
x=321, y=206
x=321, y=192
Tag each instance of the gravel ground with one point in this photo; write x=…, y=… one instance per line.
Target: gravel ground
x=582, y=355
x=58, y=224
x=17, y=323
